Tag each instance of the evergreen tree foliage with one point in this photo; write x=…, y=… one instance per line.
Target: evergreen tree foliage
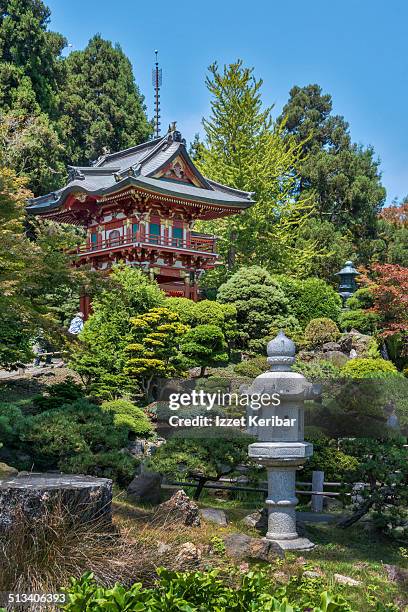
x=30, y=145
x=153, y=351
x=343, y=177
x=204, y=346
x=101, y=106
x=258, y=300
x=243, y=148
x=30, y=56
x=99, y=357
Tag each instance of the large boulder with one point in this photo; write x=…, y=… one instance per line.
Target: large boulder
x=355, y=340
x=241, y=546
x=180, y=508
x=146, y=488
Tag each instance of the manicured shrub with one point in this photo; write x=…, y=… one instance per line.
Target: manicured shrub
x=183, y=307
x=57, y=395
x=78, y=437
x=204, y=346
x=362, y=320
x=289, y=325
x=328, y=458
x=252, y=367
x=258, y=299
x=311, y=298
x=369, y=368
x=362, y=298
x=317, y=370
x=118, y=466
x=319, y=331
x=126, y=414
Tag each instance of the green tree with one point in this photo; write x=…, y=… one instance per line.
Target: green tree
x=202, y=456
x=258, y=299
x=343, y=177
x=204, y=346
x=99, y=357
x=243, y=148
x=31, y=67
x=101, y=106
x=30, y=145
x=311, y=298
x=153, y=351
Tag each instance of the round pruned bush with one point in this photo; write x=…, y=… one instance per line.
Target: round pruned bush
x=369, y=368
x=126, y=414
x=309, y=299
x=258, y=299
x=362, y=320
x=319, y=331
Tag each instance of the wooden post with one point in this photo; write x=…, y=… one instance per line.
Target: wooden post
x=317, y=485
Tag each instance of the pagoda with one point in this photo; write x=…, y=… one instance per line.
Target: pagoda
x=139, y=206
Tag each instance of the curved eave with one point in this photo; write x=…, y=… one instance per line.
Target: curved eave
x=178, y=191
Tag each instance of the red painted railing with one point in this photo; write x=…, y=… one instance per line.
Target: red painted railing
x=201, y=243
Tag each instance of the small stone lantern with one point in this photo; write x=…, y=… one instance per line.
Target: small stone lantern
x=347, y=282
x=280, y=445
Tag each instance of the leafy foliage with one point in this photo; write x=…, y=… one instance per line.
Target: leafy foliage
x=153, y=350
x=100, y=356
x=342, y=177
x=204, y=346
x=383, y=465
x=128, y=415
x=368, y=368
x=101, y=106
x=258, y=299
x=319, y=331
x=202, y=456
x=311, y=298
x=243, y=148
x=199, y=591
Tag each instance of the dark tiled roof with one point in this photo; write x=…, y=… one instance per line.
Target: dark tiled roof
x=137, y=166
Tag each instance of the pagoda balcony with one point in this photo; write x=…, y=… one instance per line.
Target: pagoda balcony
x=204, y=244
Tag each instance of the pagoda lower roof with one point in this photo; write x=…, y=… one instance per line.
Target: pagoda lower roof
x=142, y=167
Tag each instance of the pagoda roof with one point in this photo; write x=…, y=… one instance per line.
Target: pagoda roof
x=162, y=166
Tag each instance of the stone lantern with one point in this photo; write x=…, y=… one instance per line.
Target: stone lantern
x=347, y=281
x=280, y=445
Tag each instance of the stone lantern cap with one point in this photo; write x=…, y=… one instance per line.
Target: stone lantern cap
x=348, y=269
x=281, y=352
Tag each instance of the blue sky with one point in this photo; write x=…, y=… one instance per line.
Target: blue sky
x=355, y=50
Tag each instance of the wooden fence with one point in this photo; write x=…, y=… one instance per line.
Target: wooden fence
x=317, y=488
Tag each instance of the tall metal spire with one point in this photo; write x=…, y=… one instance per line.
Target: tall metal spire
x=156, y=81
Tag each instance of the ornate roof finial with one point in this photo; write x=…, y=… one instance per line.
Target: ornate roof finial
x=156, y=81
x=281, y=353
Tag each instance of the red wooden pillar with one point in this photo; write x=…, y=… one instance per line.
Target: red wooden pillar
x=85, y=305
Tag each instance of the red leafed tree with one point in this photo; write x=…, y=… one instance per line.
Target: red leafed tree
x=397, y=215
x=391, y=297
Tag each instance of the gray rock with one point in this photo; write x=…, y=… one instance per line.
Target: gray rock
x=146, y=488
x=396, y=574
x=310, y=574
x=257, y=520
x=213, y=515
x=337, y=358
x=7, y=471
x=188, y=555
x=346, y=580
x=331, y=346
x=162, y=548
x=355, y=340
x=84, y=497
x=241, y=546
x=180, y=508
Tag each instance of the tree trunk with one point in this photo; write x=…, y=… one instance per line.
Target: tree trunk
x=357, y=515
x=199, y=489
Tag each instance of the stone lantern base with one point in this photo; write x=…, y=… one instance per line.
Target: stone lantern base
x=282, y=460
